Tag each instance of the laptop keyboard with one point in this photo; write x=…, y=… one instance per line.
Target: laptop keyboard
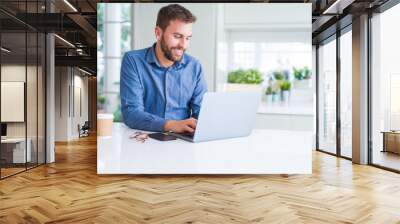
x=187, y=134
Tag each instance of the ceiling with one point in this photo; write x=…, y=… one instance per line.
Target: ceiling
x=74, y=22
x=332, y=15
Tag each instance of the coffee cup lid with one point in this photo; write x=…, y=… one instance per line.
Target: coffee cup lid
x=105, y=116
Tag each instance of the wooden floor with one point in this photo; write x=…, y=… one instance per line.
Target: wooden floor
x=70, y=191
x=10, y=171
x=387, y=159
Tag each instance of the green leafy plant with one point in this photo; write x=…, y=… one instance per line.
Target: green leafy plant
x=286, y=85
x=250, y=76
x=117, y=114
x=101, y=100
x=302, y=73
x=306, y=72
x=278, y=75
x=298, y=73
x=100, y=86
x=269, y=91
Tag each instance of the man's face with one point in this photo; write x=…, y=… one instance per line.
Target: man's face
x=174, y=40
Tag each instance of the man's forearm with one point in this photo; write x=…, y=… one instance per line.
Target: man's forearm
x=142, y=120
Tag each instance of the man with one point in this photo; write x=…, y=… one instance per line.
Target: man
x=162, y=86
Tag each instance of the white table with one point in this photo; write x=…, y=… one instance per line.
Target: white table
x=263, y=152
x=19, y=149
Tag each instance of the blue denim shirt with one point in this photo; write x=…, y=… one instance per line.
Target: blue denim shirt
x=152, y=94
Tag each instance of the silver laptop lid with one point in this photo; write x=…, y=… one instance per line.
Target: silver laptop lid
x=226, y=115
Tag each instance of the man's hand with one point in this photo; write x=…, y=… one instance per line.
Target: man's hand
x=188, y=125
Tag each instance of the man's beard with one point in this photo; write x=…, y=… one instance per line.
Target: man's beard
x=168, y=51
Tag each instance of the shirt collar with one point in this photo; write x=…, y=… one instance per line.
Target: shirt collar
x=151, y=58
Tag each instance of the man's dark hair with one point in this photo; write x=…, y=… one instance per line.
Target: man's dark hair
x=173, y=12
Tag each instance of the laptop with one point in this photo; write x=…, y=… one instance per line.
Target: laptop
x=224, y=115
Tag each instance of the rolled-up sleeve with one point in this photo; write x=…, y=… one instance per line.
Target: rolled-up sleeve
x=132, y=105
x=199, y=90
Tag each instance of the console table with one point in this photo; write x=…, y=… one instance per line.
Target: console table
x=391, y=141
x=13, y=150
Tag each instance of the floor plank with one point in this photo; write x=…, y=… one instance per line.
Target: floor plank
x=70, y=191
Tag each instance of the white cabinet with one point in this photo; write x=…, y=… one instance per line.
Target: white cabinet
x=291, y=122
x=296, y=117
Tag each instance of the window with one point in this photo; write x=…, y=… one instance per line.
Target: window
x=243, y=55
x=270, y=52
x=346, y=94
x=22, y=65
x=385, y=89
x=114, y=20
x=268, y=57
x=327, y=97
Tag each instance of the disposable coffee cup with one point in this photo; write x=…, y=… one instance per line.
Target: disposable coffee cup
x=104, y=124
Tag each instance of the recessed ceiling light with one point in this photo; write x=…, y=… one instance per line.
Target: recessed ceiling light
x=70, y=5
x=86, y=72
x=5, y=49
x=64, y=40
x=338, y=6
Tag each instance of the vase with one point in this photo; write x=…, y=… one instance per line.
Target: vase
x=269, y=98
x=285, y=94
x=274, y=97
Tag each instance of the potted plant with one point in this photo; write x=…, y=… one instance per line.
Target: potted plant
x=275, y=88
x=117, y=114
x=279, y=75
x=274, y=96
x=285, y=90
x=297, y=73
x=302, y=77
x=269, y=92
x=306, y=73
x=244, y=80
x=101, y=102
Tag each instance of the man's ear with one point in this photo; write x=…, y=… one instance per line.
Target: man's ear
x=158, y=33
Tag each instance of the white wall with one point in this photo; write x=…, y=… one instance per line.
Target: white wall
x=202, y=44
x=61, y=103
x=12, y=100
x=34, y=125
x=15, y=72
x=272, y=16
x=80, y=103
x=68, y=82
